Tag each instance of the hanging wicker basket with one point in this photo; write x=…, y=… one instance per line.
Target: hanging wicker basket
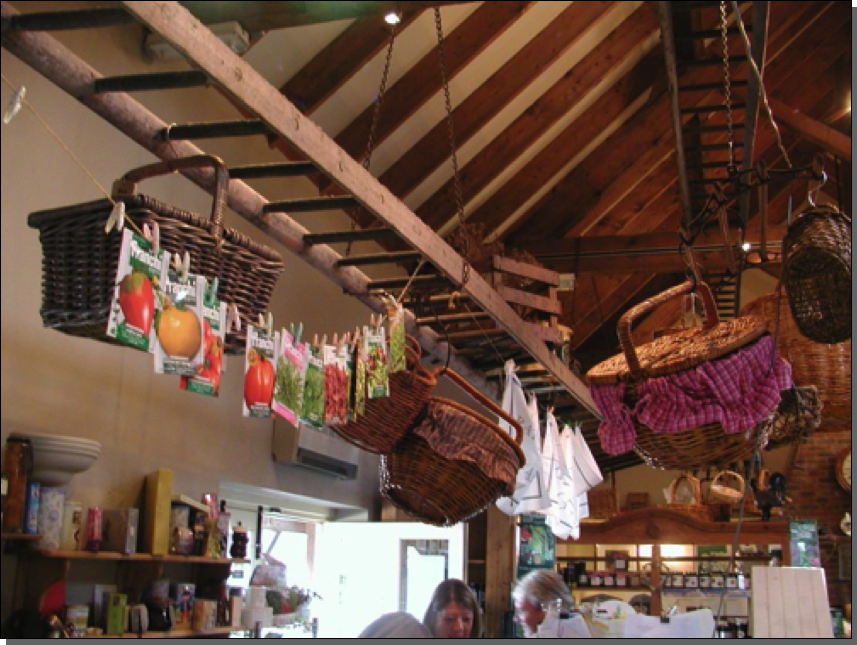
x=827, y=367
x=453, y=462
x=386, y=420
x=817, y=274
x=699, y=447
x=79, y=259
x=798, y=416
x=722, y=491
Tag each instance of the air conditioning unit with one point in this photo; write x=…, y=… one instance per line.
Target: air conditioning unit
x=317, y=448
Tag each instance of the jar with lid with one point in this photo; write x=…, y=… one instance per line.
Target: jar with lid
x=677, y=581
x=621, y=579
x=705, y=580
x=718, y=581
x=732, y=581
x=17, y=466
x=583, y=579
x=691, y=581
x=724, y=630
x=609, y=579
x=741, y=628
x=596, y=579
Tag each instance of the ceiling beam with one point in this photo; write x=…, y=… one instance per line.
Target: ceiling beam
x=422, y=81
x=265, y=16
x=541, y=115
x=828, y=139
x=244, y=84
x=334, y=65
x=549, y=45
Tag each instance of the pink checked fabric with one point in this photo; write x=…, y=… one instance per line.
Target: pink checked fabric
x=738, y=392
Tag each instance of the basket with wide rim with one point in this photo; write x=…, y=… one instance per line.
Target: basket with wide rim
x=703, y=446
x=721, y=490
x=453, y=462
x=827, y=367
x=80, y=259
x=386, y=420
x=695, y=508
x=817, y=273
x=798, y=416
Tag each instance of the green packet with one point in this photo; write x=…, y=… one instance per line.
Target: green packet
x=313, y=403
x=136, y=297
x=377, y=368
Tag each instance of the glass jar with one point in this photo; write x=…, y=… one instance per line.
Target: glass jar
x=723, y=629
x=609, y=579
x=583, y=579
x=596, y=579
x=741, y=628
x=677, y=581
x=705, y=581
x=691, y=581
x=621, y=579
x=732, y=581
x=718, y=581
x=17, y=466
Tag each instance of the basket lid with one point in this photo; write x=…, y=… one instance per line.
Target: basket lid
x=682, y=351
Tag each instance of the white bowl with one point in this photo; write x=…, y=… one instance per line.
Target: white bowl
x=57, y=459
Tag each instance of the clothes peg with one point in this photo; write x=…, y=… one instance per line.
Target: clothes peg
x=336, y=340
x=215, y=285
x=299, y=334
x=15, y=105
x=261, y=321
x=153, y=234
x=323, y=341
x=117, y=218
x=185, y=266
x=233, y=319
x=270, y=326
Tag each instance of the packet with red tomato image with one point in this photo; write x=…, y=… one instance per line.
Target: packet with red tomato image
x=179, y=324
x=335, y=387
x=206, y=381
x=136, y=297
x=259, y=372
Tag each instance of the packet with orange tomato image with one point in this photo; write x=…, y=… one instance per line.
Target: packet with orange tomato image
x=179, y=326
x=206, y=381
x=259, y=372
x=136, y=297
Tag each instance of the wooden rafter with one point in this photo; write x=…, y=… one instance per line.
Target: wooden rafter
x=430, y=152
x=818, y=133
x=247, y=87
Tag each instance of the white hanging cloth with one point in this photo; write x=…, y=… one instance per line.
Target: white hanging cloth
x=587, y=474
x=530, y=494
x=563, y=515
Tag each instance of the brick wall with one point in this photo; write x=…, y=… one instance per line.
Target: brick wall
x=817, y=495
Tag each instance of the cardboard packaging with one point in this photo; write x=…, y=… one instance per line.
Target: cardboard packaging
x=116, y=604
x=120, y=530
x=156, y=530
x=183, y=595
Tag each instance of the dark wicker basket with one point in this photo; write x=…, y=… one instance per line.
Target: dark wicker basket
x=704, y=446
x=445, y=489
x=388, y=419
x=79, y=259
x=817, y=274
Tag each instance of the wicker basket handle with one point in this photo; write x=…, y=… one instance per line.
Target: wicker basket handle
x=627, y=321
x=488, y=403
x=127, y=185
x=694, y=484
x=734, y=475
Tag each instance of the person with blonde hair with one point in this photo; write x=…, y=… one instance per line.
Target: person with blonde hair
x=545, y=607
x=453, y=611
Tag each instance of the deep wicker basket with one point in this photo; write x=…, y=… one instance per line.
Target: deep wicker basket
x=798, y=416
x=704, y=446
x=387, y=420
x=445, y=485
x=695, y=508
x=79, y=259
x=817, y=274
x=827, y=367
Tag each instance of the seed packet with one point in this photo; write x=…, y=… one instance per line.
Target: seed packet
x=335, y=387
x=291, y=374
x=396, y=316
x=206, y=381
x=313, y=405
x=358, y=391
x=347, y=357
x=179, y=324
x=377, y=370
x=136, y=298
x=259, y=372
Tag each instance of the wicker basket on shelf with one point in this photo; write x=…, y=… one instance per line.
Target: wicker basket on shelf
x=817, y=273
x=698, y=447
x=722, y=491
x=387, y=419
x=453, y=462
x=695, y=508
x=80, y=259
x=827, y=367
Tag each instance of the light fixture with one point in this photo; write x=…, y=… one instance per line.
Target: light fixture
x=746, y=246
x=393, y=18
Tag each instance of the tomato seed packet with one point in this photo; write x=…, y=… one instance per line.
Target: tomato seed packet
x=313, y=405
x=375, y=356
x=136, y=295
x=206, y=381
x=335, y=387
x=259, y=372
x=291, y=375
x=179, y=324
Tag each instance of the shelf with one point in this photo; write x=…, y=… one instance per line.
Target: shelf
x=19, y=537
x=735, y=593
x=179, y=633
x=611, y=589
x=109, y=556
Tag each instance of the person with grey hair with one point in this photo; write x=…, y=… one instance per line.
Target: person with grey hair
x=545, y=607
x=399, y=624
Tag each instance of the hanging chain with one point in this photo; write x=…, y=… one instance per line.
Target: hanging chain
x=456, y=179
x=727, y=84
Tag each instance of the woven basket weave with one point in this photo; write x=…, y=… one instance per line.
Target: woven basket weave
x=695, y=508
x=703, y=446
x=817, y=274
x=721, y=491
x=827, y=367
x=441, y=488
x=79, y=259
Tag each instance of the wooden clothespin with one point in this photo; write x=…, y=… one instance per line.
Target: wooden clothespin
x=153, y=234
x=117, y=217
x=15, y=105
x=233, y=319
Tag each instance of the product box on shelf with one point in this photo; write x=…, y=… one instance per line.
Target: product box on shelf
x=120, y=530
x=183, y=595
x=116, y=603
x=156, y=529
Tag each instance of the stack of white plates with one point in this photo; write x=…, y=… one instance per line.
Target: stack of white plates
x=56, y=458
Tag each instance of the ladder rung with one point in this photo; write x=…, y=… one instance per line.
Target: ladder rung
x=380, y=258
x=215, y=130
x=716, y=146
x=708, y=87
x=710, y=62
x=400, y=283
x=707, y=129
x=711, y=33
x=67, y=20
x=262, y=171
x=691, y=6
x=704, y=109
x=311, y=205
x=453, y=318
x=366, y=235
x=143, y=82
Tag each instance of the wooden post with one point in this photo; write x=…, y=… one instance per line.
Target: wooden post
x=499, y=570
